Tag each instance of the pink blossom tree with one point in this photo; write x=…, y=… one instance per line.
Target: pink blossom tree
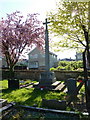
x=17, y=33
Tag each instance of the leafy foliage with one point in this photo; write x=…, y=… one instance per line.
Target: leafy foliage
x=69, y=65
x=17, y=33
x=70, y=21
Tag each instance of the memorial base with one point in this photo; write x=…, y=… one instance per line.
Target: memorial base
x=46, y=79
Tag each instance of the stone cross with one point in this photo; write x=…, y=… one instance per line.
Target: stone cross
x=46, y=77
x=47, y=65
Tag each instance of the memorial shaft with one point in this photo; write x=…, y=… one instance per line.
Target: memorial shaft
x=47, y=64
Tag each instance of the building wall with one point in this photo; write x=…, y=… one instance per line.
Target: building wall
x=4, y=63
x=53, y=59
x=37, y=59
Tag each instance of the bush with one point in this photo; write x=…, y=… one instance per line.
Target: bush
x=69, y=65
x=52, y=69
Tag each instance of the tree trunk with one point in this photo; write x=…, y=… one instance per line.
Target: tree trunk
x=12, y=83
x=87, y=94
x=11, y=73
x=88, y=58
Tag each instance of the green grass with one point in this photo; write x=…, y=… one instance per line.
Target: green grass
x=29, y=96
x=3, y=84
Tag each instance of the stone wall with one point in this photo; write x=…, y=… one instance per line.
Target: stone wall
x=64, y=75
x=23, y=74
x=35, y=74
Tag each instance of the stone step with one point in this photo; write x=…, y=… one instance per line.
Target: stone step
x=36, y=84
x=22, y=86
x=55, y=84
x=30, y=86
x=61, y=87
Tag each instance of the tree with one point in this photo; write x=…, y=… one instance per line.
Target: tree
x=17, y=34
x=71, y=21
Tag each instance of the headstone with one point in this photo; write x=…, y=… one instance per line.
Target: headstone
x=71, y=85
x=13, y=84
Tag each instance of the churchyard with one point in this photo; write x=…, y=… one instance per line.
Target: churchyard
x=29, y=95
x=63, y=99
x=47, y=97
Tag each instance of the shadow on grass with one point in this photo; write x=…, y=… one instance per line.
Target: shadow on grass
x=6, y=93
x=7, y=90
x=36, y=97
x=25, y=96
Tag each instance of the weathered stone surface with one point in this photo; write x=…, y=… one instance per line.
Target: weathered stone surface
x=34, y=74
x=54, y=104
x=71, y=85
x=47, y=79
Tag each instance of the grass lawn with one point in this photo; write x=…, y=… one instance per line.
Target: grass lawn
x=28, y=96
x=3, y=84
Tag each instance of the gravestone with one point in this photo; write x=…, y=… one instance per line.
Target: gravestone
x=47, y=77
x=71, y=85
x=13, y=84
x=54, y=104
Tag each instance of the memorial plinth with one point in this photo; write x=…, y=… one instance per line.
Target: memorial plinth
x=47, y=79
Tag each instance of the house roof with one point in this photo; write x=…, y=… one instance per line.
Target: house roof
x=36, y=48
x=43, y=51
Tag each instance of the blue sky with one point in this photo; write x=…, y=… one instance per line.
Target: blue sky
x=27, y=6
x=32, y=6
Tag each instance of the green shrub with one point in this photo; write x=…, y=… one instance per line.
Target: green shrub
x=69, y=65
x=52, y=69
